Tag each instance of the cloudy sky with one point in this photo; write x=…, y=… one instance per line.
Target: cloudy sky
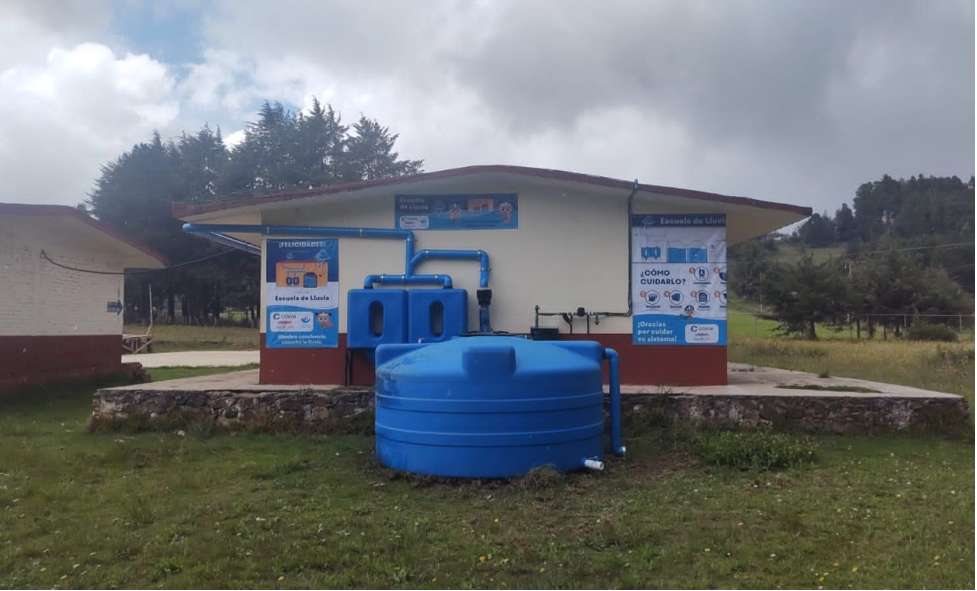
x=788, y=101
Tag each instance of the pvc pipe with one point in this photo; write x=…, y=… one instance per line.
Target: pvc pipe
x=613, y=366
x=384, y=279
x=480, y=255
x=300, y=231
x=593, y=464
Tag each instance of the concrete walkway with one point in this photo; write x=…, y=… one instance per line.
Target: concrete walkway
x=194, y=359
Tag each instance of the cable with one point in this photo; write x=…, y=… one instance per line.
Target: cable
x=45, y=256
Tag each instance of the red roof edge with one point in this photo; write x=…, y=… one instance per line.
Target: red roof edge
x=182, y=210
x=71, y=212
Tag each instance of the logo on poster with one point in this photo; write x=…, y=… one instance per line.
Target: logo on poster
x=702, y=333
x=291, y=322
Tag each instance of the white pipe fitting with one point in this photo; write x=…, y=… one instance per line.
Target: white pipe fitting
x=593, y=464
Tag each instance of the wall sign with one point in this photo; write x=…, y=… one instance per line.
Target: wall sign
x=678, y=279
x=301, y=294
x=487, y=211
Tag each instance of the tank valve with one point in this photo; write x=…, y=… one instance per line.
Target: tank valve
x=593, y=464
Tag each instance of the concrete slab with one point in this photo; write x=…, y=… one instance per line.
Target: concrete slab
x=194, y=359
x=751, y=380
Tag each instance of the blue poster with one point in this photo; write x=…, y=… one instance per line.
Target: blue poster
x=301, y=293
x=678, y=270
x=487, y=211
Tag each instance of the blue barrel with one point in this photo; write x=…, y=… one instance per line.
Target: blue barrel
x=436, y=314
x=376, y=316
x=489, y=406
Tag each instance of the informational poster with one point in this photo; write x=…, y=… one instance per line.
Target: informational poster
x=487, y=211
x=678, y=279
x=302, y=294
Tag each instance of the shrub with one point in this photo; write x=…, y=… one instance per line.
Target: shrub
x=931, y=332
x=764, y=449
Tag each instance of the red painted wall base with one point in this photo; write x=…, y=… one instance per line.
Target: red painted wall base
x=38, y=360
x=700, y=365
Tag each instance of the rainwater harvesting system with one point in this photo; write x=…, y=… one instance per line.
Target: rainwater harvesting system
x=455, y=403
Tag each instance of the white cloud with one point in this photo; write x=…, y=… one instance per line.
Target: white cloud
x=791, y=102
x=61, y=119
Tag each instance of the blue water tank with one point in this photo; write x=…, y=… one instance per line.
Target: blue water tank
x=436, y=315
x=489, y=406
x=375, y=317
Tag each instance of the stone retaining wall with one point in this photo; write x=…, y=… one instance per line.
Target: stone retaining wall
x=315, y=410
x=303, y=408
x=812, y=414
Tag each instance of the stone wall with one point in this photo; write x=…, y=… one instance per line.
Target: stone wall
x=296, y=408
x=317, y=410
x=812, y=414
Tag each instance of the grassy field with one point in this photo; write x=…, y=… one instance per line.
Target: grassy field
x=177, y=337
x=944, y=367
x=160, y=510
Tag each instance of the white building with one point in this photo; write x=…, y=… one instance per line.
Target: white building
x=57, y=323
x=564, y=248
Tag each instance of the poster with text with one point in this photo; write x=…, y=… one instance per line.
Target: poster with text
x=487, y=211
x=301, y=294
x=678, y=270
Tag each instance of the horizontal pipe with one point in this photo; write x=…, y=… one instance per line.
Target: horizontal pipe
x=383, y=279
x=300, y=231
x=593, y=464
x=479, y=255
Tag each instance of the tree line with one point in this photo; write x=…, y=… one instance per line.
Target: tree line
x=282, y=150
x=905, y=257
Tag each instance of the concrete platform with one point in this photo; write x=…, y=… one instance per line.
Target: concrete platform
x=755, y=397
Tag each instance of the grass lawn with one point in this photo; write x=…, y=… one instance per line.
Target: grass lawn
x=161, y=510
x=944, y=367
x=177, y=337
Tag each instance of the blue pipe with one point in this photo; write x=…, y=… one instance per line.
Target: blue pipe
x=384, y=279
x=481, y=255
x=301, y=231
x=613, y=366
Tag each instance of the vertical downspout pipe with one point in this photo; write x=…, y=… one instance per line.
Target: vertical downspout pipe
x=614, y=369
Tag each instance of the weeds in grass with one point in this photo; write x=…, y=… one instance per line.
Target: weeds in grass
x=758, y=450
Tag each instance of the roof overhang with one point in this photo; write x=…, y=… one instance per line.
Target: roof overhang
x=64, y=221
x=746, y=217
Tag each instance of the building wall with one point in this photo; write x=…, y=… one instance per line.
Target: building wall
x=569, y=251
x=53, y=322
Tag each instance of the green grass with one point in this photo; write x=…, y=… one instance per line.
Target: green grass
x=168, y=338
x=943, y=367
x=164, y=511
x=161, y=374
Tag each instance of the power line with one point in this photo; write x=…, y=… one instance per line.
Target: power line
x=45, y=256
